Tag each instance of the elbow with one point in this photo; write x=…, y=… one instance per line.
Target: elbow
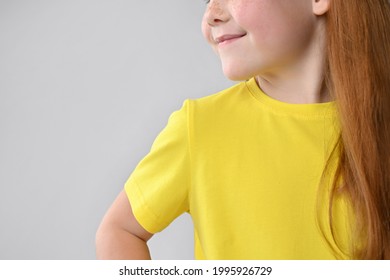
x=99, y=237
x=102, y=241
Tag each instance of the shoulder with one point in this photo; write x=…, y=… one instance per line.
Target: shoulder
x=223, y=100
x=226, y=106
x=222, y=96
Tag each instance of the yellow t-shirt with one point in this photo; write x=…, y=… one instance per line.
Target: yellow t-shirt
x=246, y=167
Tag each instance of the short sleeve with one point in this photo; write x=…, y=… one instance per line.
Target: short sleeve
x=158, y=187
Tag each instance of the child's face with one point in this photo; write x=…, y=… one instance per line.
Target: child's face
x=254, y=37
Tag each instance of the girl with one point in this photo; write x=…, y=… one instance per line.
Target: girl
x=293, y=163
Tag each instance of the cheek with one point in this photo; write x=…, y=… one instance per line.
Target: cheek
x=254, y=17
x=206, y=30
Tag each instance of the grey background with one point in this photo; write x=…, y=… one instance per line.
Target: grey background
x=85, y=87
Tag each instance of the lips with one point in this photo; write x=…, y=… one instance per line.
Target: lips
x=227, y=38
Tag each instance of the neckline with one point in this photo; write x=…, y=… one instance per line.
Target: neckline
x=311, y=110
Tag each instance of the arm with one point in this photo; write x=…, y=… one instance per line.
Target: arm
x=120, y=236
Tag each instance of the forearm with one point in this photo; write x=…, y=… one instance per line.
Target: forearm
x=118, y=244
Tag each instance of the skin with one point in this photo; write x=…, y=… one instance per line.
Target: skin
x=281, y=43
x=120, y=236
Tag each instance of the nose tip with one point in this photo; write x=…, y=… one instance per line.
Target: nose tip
x=215, y=13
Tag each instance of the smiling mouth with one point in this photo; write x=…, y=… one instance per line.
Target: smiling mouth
x=228, y=38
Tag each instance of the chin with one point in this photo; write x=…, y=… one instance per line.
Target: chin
x=234, y=76
x=236, y=72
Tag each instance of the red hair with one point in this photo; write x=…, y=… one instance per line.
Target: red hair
x=358, y=78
